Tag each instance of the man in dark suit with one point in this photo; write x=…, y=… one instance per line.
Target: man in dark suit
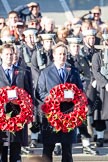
x=13, y=75
x=49, y=78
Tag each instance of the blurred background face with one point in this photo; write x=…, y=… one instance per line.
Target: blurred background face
x=49, y=25
x=5, y=32
x=6, y=36
x=12, y=19
x=76, y=29
x=29, y=39
x=60, y=56
x=34, y=24
x=74, y=49
x=35, y=10
x=20, y=29
x=62, y=33
x=68, y=25
x=86, y=26
x=2, y=23
x=16, y=55
x=90, y=40
x=96, y=14
x=47, y=44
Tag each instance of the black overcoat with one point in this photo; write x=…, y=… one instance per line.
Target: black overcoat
x=102, y=112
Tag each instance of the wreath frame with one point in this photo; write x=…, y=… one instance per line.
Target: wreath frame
x=56, y=118
x=25, y=116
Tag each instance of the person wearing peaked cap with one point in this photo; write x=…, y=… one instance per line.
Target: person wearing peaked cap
x=87, y=52
x=34, y=11
x=42, y=58
x=77, y=60
x=89, y=32
x=30, y=44
x=74, y=46
x=19, y=23
x=18, y=32
x=74, y=40
x=30, y=31
x=29, y=48
x=90, y=28
x=89, y=37
x=47, y=36
x=44, y=54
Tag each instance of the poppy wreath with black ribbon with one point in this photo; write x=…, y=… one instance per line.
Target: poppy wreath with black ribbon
x=16, y=112
x=61, y=121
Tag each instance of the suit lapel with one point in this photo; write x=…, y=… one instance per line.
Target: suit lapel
x=3, y=75
x=55, y=73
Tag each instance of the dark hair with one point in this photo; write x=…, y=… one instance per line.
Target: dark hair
x=6, y=46
x=60, y=44
x=13, y=12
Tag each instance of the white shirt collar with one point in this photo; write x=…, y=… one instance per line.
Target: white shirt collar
x=62, y=67
x=5, y=67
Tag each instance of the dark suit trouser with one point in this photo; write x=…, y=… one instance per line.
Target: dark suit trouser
x=84, y=131
x=66, y=152
x=99, y=125
x=15, y=152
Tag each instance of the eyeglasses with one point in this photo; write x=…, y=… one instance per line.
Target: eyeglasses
x=2, y=23
x=20, y=26
x=96, y=13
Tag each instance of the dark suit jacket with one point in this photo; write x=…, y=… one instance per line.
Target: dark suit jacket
x=49, y=78
x=20, y=79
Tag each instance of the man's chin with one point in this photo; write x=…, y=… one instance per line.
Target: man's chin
x=62, y=63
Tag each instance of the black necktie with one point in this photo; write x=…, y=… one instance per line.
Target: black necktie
x=7, y=72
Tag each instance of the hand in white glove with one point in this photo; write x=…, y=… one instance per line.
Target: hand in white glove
x=94, y=84
x=31, y=4
x=106, y=87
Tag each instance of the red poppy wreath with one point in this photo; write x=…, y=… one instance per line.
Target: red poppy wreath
x=62, y=121
x=23, y=100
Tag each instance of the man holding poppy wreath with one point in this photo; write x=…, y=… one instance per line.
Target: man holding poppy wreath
x=13, y=75
x=50, y=77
